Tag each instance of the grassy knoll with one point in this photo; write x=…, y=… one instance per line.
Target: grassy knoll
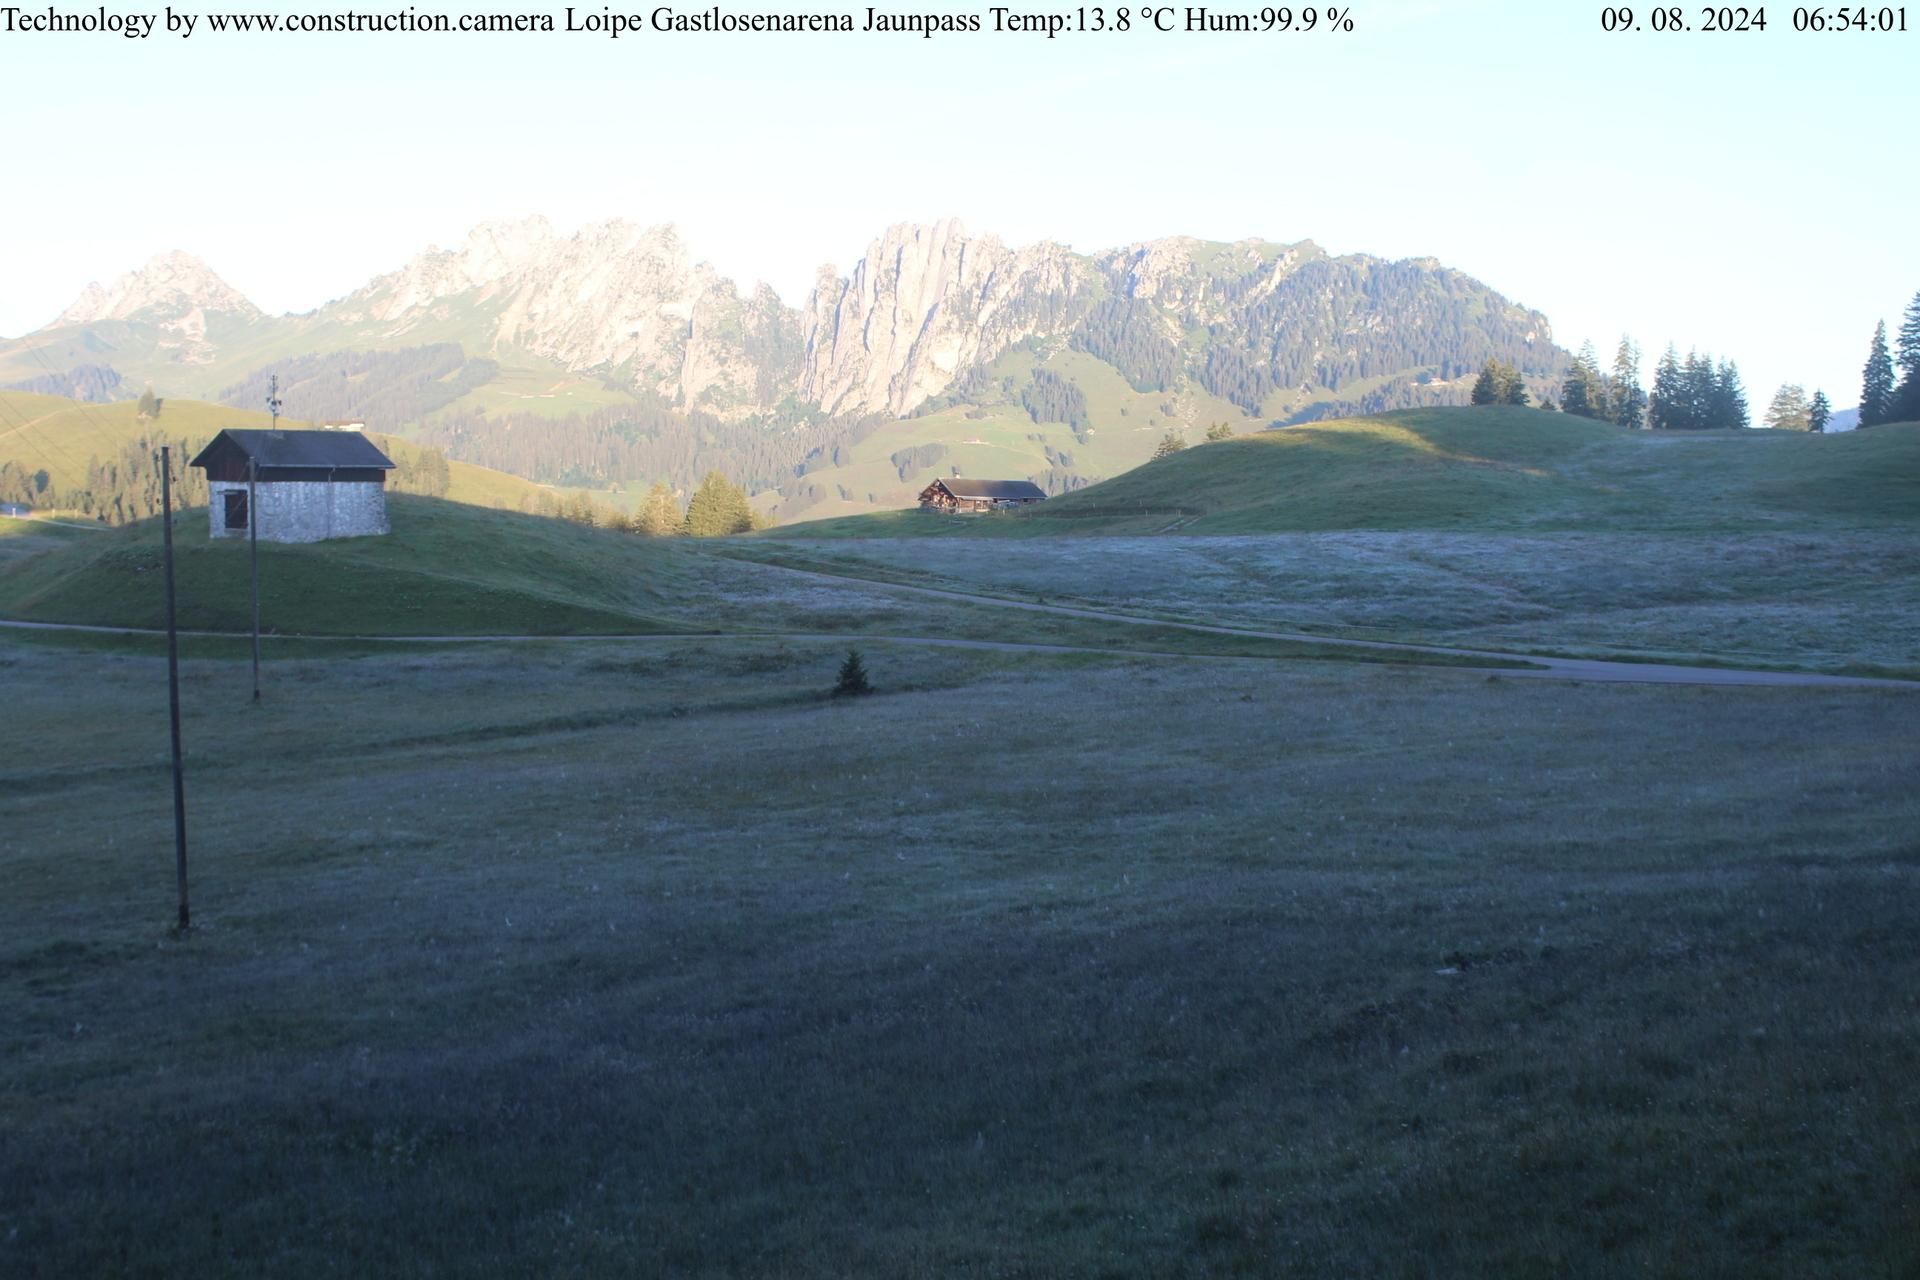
x=1822, y=600
x=652, y=959
x=445, y=569
x=1498, y=470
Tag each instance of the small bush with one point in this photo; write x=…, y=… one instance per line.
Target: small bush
x=853, y=677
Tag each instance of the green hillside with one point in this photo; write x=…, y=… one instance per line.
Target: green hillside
x=63, y=437
x=1494, y=469
x=445, y=569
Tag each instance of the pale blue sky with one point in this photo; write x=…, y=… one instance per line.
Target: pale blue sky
x=1743, y=193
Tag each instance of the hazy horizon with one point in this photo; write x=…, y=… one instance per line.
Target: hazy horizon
x=1734, y=193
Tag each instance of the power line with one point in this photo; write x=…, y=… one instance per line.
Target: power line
x=69, y=461
x=80, y=470
x=25, y=430
x=85, y=408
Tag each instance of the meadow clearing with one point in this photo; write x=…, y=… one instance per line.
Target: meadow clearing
x=618, y=957
x=1156, y=953
x=1818, y=601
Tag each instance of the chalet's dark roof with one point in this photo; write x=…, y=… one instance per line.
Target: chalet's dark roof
x=997, y=490
x=299, y=449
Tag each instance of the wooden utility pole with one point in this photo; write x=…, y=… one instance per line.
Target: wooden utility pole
x=253, y=530
x=173, y=687
x=253, y=567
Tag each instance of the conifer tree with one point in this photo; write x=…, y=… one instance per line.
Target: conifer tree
x=1583, y=394
x=1573, y=392
x=1905, y=403
x=1819, y=412
x=1500, y=383
x=1574, y=396
x=718, y=508
x=659, y=514
x=1789, y=410
x=1171, y=443
x=1697, y=382
x=1629, y=403
x=1486, y=388
x=1665, y=409
x=1729, y=398
x=1876, y=385
x=1701, y=388
x=853, y=677
x=1514, y=387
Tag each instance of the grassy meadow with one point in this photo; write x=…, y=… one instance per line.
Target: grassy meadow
x=1824, y=601
x=449, y=570
x=1495, y=528
x=649, y=957
x=1083, y=947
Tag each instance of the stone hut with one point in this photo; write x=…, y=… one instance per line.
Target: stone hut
x=310, y=485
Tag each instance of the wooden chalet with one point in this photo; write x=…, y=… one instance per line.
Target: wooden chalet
x=957, y=496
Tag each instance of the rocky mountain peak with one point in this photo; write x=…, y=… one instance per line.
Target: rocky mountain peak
x=496, y=249
x=926, y=302
x=922, y=314
x=172, y=288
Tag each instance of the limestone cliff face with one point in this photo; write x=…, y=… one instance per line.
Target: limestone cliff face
x=925, y=304
x=176, y=293
x=612, y=296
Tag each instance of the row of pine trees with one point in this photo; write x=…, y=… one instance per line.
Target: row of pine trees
x=1688, y=395
x=1883, y=397
x=1698, y=393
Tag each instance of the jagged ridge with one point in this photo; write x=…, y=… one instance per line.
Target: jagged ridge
x=1266, y=325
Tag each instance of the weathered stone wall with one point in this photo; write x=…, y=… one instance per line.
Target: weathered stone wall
x=306, y=510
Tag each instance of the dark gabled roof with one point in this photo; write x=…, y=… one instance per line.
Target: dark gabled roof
x=997, y=490
x=299, y=449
